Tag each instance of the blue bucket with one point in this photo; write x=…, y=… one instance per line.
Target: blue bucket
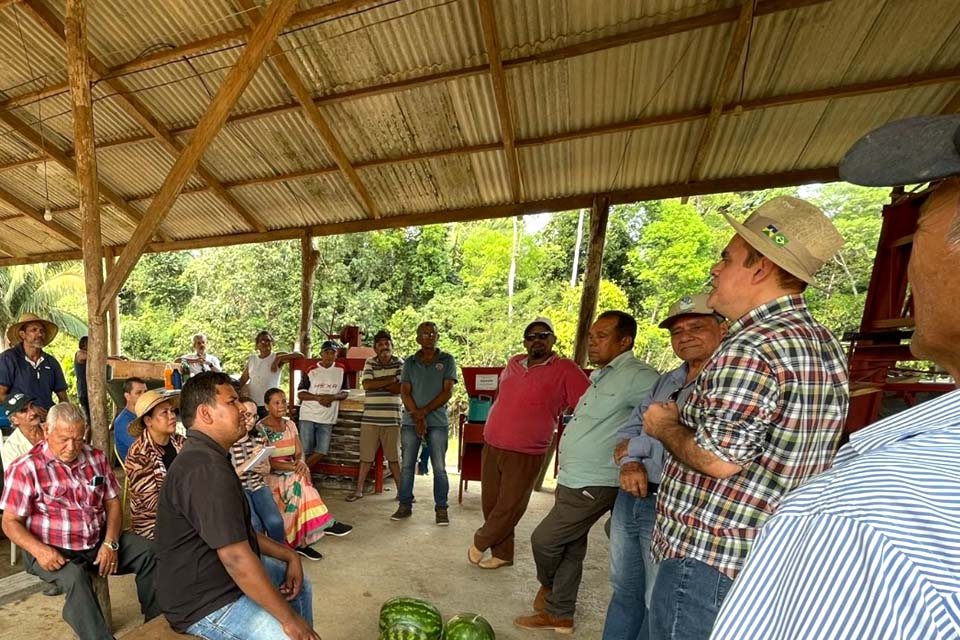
x=479, y=408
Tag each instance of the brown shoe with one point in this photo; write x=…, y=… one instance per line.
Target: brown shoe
x=494, y=562
x=545, y=621
x=540, y=601
x=474, y=555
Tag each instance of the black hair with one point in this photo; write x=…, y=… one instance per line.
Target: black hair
x=272, y=391
x=129, y=382
x=383, y=334
x=626, y=323
x=198, y=390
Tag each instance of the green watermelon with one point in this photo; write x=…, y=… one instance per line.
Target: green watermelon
x=405, y=618
x=469, y=626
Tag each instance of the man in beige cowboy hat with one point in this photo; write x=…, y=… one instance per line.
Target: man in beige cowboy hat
x=26, y=368
x=765, y=414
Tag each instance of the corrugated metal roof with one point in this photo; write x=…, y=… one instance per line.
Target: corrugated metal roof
x=818, y=47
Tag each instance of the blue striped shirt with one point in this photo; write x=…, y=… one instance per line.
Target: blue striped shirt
x=869, y=549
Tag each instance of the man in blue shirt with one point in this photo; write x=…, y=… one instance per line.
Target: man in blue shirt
x=426, y=383
x=26, y=368
x=133, y=388
x=871, y=548
x=695, y=333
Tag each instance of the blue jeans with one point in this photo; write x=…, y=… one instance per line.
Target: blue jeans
x=686, y=599
x=244, y=618
x=410, y=448
x=315, y=437
x=264, y=514
x=632, y=570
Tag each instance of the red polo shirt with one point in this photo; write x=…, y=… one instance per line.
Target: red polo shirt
x=528, y=402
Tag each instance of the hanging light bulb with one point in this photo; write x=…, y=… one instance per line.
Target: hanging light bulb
x=47, y=214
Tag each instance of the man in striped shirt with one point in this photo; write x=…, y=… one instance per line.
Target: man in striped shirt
x=871, y=549
x=766, y=414
x=380, y=424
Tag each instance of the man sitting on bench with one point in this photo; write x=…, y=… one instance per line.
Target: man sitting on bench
x=60, y=505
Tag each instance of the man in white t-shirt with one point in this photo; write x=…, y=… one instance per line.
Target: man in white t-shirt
x=263, y=370
x=319, y=394
x=24, y=416
x=200, y=361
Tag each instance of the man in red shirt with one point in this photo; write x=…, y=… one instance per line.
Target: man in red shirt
x=534, y=388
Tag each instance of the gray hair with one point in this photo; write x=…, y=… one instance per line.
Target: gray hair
x=198, y=335
x=66, y=413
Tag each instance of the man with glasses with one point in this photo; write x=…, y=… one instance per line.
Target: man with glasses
x=426, y=383
x=535, y=387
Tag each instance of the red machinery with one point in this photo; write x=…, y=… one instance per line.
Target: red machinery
x=478, y=381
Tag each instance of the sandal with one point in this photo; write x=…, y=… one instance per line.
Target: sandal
x=354, y=497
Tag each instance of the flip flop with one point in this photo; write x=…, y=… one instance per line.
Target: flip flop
x=353, y=497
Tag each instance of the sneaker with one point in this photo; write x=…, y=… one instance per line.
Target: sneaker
x=309, y=553
x=442, y=518
x=338, y=529
x=403, y=511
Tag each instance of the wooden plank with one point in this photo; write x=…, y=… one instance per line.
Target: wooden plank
x=37, y=216
x=567, y=203
x=731, y=64
x=19, y=586
x=953, y=105
x=491, y=40
x=319, y=122
x=11, y=250
x=210, y=124
x=599, y=214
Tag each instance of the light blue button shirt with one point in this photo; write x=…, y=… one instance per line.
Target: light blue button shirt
x=586, y=448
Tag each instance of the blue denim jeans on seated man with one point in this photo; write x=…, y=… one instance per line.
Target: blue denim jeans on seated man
x=632, y=569
x=244, y=618
x=409, y=451
x=264, y=514
x=315, y=437
x=686, y=599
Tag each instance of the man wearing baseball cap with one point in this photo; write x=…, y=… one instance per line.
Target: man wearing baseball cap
x=871, y=549
x=534, y=388
x=320, y=393
x=695, y=332
x=26, y=368
x=23, y=415
x=765, y=414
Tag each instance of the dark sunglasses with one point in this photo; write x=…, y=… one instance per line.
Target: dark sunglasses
x=539, y=335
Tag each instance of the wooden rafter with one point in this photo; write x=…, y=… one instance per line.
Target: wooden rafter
x=953, y=105
x=37, y=217
x=498, y=80
x=11, y=251
x=140, y=113
x=264, y=35
x=569, y=203
x=312, y=112
x=738, y=41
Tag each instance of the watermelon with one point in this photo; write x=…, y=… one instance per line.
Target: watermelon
x=405, y=618
x=469, y=626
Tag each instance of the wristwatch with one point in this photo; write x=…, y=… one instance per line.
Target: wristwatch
x=111, y=544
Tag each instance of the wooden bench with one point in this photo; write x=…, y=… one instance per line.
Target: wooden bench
x=156, y=629
x=19, y=585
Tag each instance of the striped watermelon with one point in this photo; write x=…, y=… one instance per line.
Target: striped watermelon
x=405, y=618
x=469, y=626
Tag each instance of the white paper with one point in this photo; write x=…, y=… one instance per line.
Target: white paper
x=259, y=457
x=487, y=381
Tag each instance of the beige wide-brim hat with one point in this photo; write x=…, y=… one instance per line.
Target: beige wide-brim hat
x=695, y=305
x=147, y=402
x=13, y=331
x=794, y=234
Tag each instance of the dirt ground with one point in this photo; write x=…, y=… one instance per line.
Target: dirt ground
x=378, y=560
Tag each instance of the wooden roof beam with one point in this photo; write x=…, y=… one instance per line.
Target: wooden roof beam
x=738, y=41
x=312, y=112
x=137, y=110
x=498, y=80
x=210, y=124
x=37, y=216
x=953, y=105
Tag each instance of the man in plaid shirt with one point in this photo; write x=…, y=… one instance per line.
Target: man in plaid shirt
x=60, y=506
x=765, y=415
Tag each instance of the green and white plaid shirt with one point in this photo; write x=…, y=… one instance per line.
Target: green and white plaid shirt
x=772, y=399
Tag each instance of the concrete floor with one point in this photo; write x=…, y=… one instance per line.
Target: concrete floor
x=381, y=559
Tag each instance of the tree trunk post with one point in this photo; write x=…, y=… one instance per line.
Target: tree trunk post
x=599, y=213
x=78, y=73
x=307, y=281
x=113, y=311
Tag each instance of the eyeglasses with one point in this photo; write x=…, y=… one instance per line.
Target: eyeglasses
x=539, y=335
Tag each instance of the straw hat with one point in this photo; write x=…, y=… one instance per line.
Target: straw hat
x=794, y=234
x=13, y=331
x=908, y=151
x=695, y=305
x=147, y=402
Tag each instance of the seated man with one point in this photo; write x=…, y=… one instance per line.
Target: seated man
x=25, y=418
x=212, y=581
x=133, y=388
x=60, y=506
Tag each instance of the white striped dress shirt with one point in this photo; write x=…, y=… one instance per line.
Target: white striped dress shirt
x=867, y=550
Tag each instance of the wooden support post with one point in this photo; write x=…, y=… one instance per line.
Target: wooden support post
x=599, y=213
x=113, y=312
x=307, y=282
x=78, y=74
